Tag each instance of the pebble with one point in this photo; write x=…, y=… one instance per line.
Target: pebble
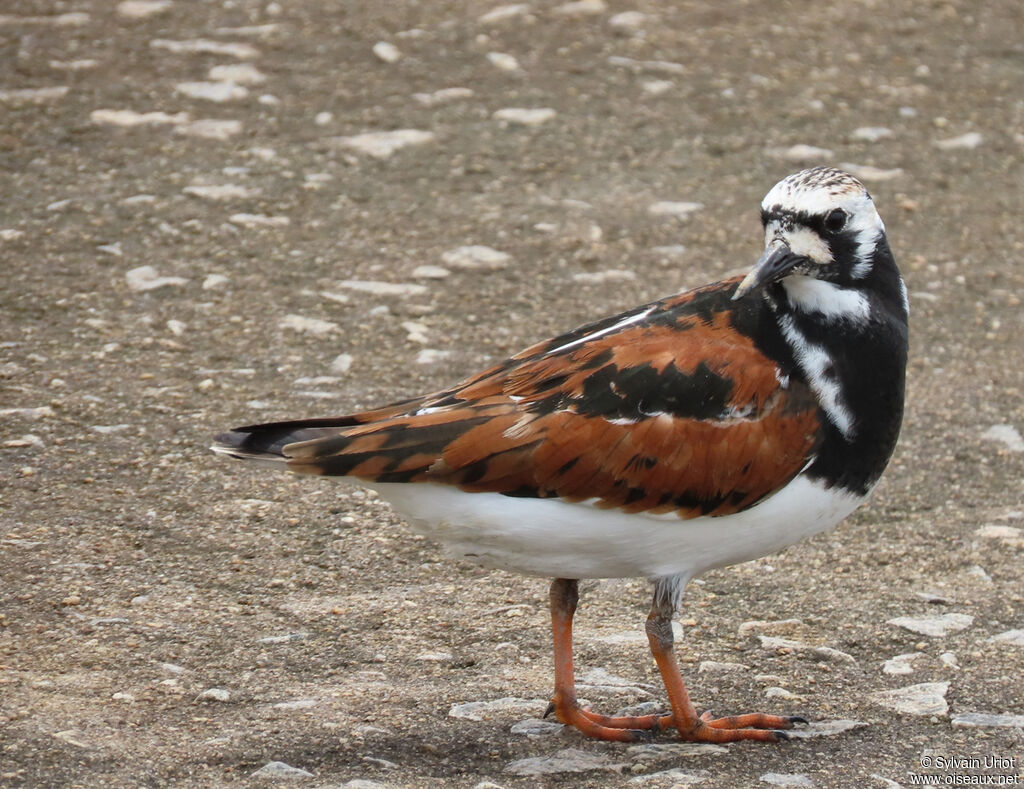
x=259, y=220
x=210, y=129
x=785, y=779
x=239, y=50
x=776, y=692
x=107, y=430
x=503, y=12
x=214, y=281
x=773, y=643
x=383, y=288
x=112, y=249
x=382, y=145
x=670, y=250
x=984, y=719
x=482, y=710
x=948, y=659
x=804, y=154
x=434, y=657
x=476, y=257
x=143, y=9
x=656, y=66
x=280, y=770
x=415, y=332
x=503, y=61
x=599, y=679
x=825, y=728
x=1008, y=435
x=128, y=698
x=672, y=208
x=901, y=664
x=131, y=118
x=1012, y=637
x=968, y=141
x=33, y=95
x=535, y=727
x=524, y=116
x=239, y=73
x=926, y=698
x=27, y=440
x=769, y=627
x=716, y=667
x=657, y=86
x=146, y=278
x=314, y=326
x=83, y=64
x=441, y=96
x=627, y=22
x=935, y=626
x=287, y=637
x=72, y=19
x=598, y=277
x=387, y=52
x=212, y=91
x=674, y=750
x=341, y=364
x=430, y=272
x=581, y=8
x=214, y=694
x=866, y=172
x=1011, y=535
x=221, y=192
x=296, y=704
x=674, y=777
x=872, y=133
x=568, y=760
x=431, y=356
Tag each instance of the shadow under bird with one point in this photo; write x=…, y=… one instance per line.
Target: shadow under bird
x=704, y=429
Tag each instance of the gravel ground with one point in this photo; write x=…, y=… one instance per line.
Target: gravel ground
x=194, y=234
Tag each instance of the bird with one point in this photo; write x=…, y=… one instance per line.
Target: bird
x=704, y=429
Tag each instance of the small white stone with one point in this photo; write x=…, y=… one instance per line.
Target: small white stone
x=38, y=412
x=441, y=96
x=314, y=326
x=238, y=73
x=656, y=66
x=927, y=698
x=434, y=657
x=415, y=332
x=387, y=52
x=628, y=22
x=131, y=118
x=383, y=288
x=341, y=363
x=581, y=8
x=259, y=220
x=112, y=249
x=769, y=626
x=504, y=12
x=569, y=760
x=825, y=728
x=775, y=692
x=673, y=208
x=268, y=100
x=773, y=643
x=176, y=327
x=901, y=664
x=323, y=118
x=431, y=356
x=503, y=61
x=10, y=234
x=73, y=19
x=716, y=667
x=872, y=133
x=525, y=116
x=33, y=95
x=984, y=719
x=128, y=698
x=1012, y=637
x=143, y=9
x=476, y=256
x=241, y=51
x=534, y=727
x=968, y=141
x=656, y=87
x=221, y=192
x=866, y=172
x=82, y=64
x=1007, y=435
x=107, y=430
x=212, y=91
x=786, y=779
x=430, y=272
x=214, y=694
x=296, y=704
x=214, y=281
x=948, y=659
x=381, y=145
x=1011, y=535
x=482, y=710
x=935, y=626
x=599, y=277
x=804, y=153
x=146, y=278
x=277, y=770
x=211, y=129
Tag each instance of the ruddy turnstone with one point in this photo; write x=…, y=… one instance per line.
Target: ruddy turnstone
x=704, y=429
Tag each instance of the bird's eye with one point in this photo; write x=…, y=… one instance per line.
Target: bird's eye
x=836, y=220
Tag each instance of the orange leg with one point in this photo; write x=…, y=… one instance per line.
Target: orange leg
x=703, y=728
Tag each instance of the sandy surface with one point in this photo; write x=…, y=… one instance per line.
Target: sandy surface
x=171, y=619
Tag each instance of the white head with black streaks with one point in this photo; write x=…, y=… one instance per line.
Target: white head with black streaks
x=820, y=226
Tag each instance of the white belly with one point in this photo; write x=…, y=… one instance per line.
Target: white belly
x=560, y=539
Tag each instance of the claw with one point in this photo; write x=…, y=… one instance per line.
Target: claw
x=551, y=708
x=781, y=736
x=798, y=719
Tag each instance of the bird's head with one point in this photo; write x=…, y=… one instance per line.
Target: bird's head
x=819, y=223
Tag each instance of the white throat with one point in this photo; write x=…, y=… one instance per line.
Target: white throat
x=827, y=299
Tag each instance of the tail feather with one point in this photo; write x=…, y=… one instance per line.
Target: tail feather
x=266, y=443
